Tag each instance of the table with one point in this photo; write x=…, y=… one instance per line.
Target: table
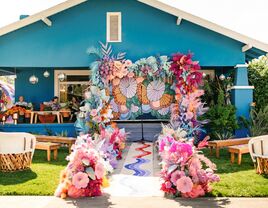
x=48, y=146
x=34, y=115
x=56, y=139
x=217, y=144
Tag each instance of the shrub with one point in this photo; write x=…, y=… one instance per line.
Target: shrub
x=222, y=119
x=258, y=77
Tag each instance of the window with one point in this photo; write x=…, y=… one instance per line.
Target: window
x=74, y=85
x=114, y=27
x=209, y=72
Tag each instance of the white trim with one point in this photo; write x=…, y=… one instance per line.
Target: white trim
x=47, y=21
x=246, y=47
x=207, y=24
x=108, y=15
x=242, y=87
x=39, y=16
x=241, y=66
x=179, y=19
x=67, y=72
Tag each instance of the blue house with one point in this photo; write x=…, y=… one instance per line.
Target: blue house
x=55, y=41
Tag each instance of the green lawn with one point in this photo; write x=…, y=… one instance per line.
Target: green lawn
x=43, y=178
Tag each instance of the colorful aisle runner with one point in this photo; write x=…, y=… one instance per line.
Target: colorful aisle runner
x=136, y=177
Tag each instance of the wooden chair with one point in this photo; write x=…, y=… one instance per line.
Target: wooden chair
x=16, y=151
x=258, y=148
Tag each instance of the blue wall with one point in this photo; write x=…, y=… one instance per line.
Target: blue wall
x=146, y=31
x=56, y=129
x=37, y=93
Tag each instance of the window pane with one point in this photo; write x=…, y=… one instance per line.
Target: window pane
x=79, y=78
x=67, y=91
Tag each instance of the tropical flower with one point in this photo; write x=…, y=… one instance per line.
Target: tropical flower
x=184, y=184
x=99, y=170
x=80, y=180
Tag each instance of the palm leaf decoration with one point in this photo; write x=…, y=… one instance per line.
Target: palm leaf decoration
x=94, y=51
x=106, y=49
x=121, y=56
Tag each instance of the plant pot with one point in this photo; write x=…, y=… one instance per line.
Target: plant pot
x=65, y=114
x=47, y=118
x=27, y=114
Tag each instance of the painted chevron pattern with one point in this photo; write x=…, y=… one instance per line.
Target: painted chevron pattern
x=139, y=161
x=144, y=152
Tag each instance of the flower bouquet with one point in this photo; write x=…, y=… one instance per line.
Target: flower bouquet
x=185, y=171
x=85, y=174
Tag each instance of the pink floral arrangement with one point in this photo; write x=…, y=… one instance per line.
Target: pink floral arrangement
x=85, y=173
x=185, y=171
x=186, y=72
x=188, y=106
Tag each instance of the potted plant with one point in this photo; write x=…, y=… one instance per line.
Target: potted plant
x=65, y=110
x=28, y=110
x=46, y=117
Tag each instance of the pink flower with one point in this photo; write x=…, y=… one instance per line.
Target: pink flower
x=74, y=192
x=195, y=192
x=184, y=184
x=80, y=180
x=128, y=63
x=168, y=184
x=93, y=112
x=176, y=175
x=189, y=115
x=99, y=170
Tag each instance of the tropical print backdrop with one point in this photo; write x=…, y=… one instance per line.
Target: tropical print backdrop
x=6, y=92
x=144, y=87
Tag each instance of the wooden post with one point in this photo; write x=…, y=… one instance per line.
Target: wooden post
x=239, y=158
x=217, y=152
x=48, y=154
x=55, y=154
x=232, y=157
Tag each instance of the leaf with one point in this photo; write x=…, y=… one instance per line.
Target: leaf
x=121, y=55
x=171, y=168
x=91, y=173
x=106, y=49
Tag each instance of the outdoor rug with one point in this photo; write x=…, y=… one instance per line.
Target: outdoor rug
x=135, y=176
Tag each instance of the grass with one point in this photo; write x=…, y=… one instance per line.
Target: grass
x=42, y=179
x=238, y=180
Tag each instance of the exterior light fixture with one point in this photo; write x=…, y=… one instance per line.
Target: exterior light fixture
x=61, y=77
x=33, y=79
x=46, y=74
x=222, y=77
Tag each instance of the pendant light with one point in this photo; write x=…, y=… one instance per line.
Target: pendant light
x=33, y=79
x=46, y=74
x=222, y=77
x=62, y=76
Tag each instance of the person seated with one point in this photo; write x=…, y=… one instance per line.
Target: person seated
x=53, y=104
x=74, y=106
x=21, y=102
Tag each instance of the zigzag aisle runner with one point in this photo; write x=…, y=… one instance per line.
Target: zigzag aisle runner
x=136, y=177
x=138, y=157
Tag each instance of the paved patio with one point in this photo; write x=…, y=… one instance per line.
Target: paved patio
x=107, y=201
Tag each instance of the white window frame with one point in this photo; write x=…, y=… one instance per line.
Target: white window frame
x=109, y=14
x=68, y=72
